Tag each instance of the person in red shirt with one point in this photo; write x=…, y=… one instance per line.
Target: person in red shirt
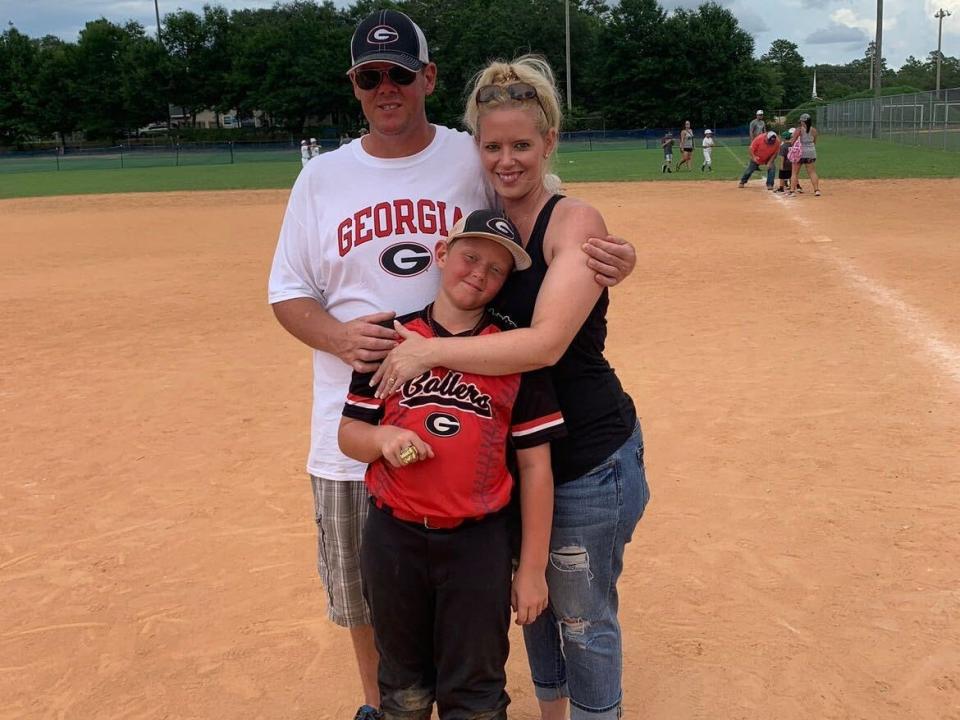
x=435, y=556
x=763, y=151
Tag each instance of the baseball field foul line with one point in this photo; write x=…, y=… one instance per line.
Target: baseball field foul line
x=912, y=322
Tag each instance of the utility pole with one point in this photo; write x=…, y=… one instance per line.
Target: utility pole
x=940, y=15
x=156, y=8
x=877, y=69
x=566, y=8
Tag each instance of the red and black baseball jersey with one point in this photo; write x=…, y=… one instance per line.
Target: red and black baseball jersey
x=468, y=420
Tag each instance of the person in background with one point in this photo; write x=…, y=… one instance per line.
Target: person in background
x=686, y=147
x=666, y=142
x=786, y=167
x=707, y=151
x=806, y=137
x=757, y=125
x=304, y=153
x=314, y=148
x=763, y=151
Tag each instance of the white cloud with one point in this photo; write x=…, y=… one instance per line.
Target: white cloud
x=847, y=17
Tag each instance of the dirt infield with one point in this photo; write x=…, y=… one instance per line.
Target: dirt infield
x=796, y=363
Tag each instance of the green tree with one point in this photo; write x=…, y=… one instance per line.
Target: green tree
x=19, y=57
x=723, y=91
x=785, y=57
x=119, y=74
x=630, y=76
x=56, y=102
x=289, y=62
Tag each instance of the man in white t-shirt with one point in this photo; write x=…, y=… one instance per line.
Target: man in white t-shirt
x=355, y=249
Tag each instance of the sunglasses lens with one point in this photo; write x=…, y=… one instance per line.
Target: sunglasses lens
x=401, y=76
x=488, y=93
x=522, y=91
x=367, y=79
x=370, y=79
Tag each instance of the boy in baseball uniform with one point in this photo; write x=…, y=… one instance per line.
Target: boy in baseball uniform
x=435, y=554
x=707, y=151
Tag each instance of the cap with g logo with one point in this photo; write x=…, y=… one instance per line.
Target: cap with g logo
x=492, y=225
x=388, y=36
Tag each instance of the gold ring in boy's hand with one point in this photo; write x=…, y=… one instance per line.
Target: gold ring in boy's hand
x=409, y=454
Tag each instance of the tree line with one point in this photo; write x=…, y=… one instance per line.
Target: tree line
x=633, y=64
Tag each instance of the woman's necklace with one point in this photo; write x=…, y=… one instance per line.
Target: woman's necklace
x=439, y=331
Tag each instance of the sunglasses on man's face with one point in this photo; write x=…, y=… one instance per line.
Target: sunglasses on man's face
x=370, y=79
x=518, y=91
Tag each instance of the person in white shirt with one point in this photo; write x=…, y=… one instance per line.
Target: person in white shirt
x=304, y=153
x=355, y=250
x=707, y=151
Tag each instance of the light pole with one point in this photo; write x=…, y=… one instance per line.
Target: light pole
x=156, y=8
x=877, y=69
x=566, y=11
x=940, y=15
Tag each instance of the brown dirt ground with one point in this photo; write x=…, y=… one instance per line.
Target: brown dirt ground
x=796, y=364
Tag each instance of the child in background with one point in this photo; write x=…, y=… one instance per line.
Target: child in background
x=666, y=142
x=707, y=151
x=786, y=167
x=435, y=555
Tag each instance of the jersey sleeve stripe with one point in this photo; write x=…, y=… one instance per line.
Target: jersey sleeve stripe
x=538, y=425
x=363, y=402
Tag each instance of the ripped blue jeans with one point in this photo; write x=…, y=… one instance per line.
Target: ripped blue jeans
x=574, y=648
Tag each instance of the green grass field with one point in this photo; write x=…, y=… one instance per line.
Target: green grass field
x=839, y=158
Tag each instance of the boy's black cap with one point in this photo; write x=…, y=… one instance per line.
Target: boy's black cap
x=492, y=225
x=389, y=36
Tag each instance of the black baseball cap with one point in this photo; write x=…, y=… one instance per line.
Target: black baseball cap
x=492, y=225
x=389, y=36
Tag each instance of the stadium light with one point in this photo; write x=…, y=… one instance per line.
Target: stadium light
x=940, y=15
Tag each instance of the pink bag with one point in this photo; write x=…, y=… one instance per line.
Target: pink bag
x=795, y=152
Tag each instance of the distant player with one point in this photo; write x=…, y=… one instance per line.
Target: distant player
x=304, y=153
x=686, y=147
x=707, y=151
x=757, y=125
x=436, y=554
x=666, y=142
x=314, y=148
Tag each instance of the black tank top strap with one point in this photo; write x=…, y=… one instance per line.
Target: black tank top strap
x=535, y=244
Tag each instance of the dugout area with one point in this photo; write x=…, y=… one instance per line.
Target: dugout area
x=795, y=362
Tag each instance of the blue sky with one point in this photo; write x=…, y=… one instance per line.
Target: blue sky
x=827, y=31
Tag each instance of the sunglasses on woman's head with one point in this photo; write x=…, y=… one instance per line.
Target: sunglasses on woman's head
x=518, y=91
x=370, y=79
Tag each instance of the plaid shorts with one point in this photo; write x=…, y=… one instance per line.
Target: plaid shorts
x=340, y=508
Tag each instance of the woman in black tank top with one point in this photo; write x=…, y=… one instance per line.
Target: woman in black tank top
x=559, y=310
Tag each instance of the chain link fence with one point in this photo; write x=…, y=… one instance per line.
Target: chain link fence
x=155, y=155
x=928, y=119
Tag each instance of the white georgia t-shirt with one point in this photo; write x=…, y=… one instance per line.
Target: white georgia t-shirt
x=358, y=236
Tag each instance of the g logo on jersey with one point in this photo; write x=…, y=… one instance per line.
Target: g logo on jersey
x=406, y=259
x=382, y=35
x=442, y=425
x=501, y=227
